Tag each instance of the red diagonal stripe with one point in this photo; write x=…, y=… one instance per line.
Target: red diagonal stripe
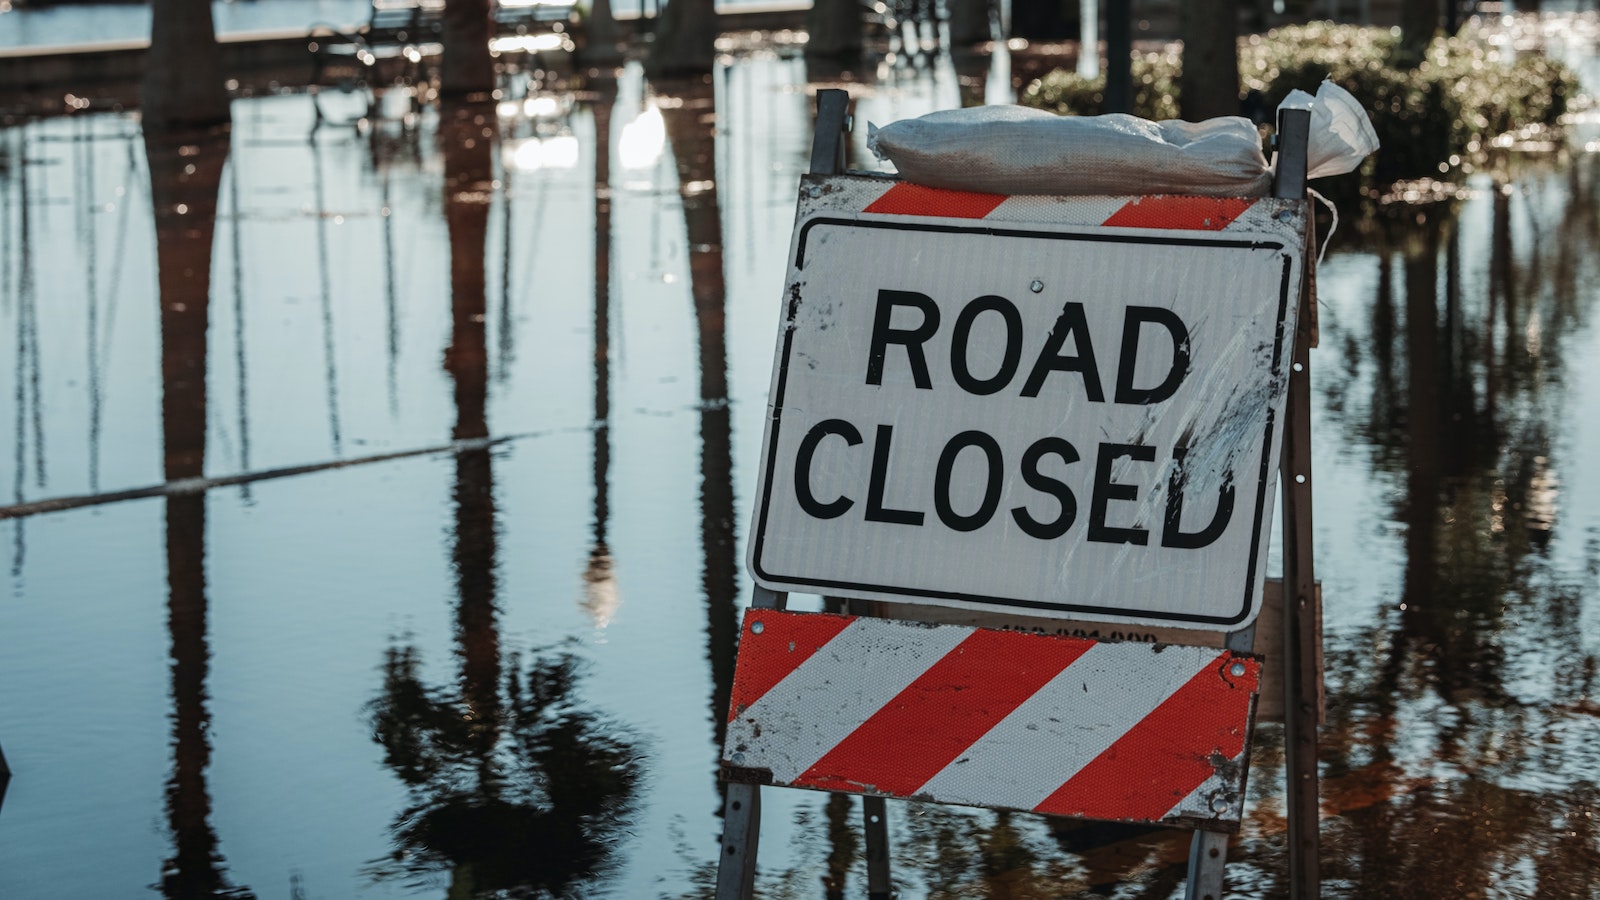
x=955, y=702
x=907, y=199
x=785, y=641
x=1186, y=213
x=1168, y=754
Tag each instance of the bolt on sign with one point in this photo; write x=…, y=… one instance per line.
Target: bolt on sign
x=1067, y=407
x=1123, y=731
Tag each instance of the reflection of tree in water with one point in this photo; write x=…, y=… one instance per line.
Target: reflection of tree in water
x=1458, y=721
x=529, y=804
x=515, y=789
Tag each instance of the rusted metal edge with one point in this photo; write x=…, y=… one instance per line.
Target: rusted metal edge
x=742, y=775
x=730, y=774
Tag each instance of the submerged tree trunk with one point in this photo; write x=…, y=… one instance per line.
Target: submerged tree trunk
x=1209, y=84
x=183, y=86
x=1044, y=20
x=834, y=30
x=1119, y=57
x=1419, y=22
x=969, y=22
x=601, y=36
x=467, y=71
x=686, y=40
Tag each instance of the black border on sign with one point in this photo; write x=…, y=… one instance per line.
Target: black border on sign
x=822, y=585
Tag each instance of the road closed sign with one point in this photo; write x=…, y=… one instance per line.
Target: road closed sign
x=1059, y=406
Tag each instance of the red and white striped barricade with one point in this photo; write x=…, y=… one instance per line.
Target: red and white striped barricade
x=1127, y=732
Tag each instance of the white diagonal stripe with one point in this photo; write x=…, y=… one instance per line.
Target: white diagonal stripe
x=831, y=694
x=1065, y=725
x=1030, y=208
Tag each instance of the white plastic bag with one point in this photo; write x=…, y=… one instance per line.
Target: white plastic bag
x=1341, y=134
x=1020, y=150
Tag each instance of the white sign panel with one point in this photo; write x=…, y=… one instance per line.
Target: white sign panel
x=1030, y=417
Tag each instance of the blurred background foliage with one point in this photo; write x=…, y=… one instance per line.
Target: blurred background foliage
x=1433, y=116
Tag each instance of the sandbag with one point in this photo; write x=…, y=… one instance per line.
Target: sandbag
x=1021, y=150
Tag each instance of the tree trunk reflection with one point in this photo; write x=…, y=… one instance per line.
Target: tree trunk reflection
x=691, y=130
x=601, y=592
x=185, y=177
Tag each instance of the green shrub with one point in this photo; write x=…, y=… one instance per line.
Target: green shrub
x=1428, y=118
x=1155, y=89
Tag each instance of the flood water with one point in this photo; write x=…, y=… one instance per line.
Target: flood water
x=505, y=372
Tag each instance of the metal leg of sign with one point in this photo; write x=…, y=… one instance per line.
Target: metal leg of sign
x=1208, y=852
x=767, y=598
x=875, y=821
x=1294, y=133
x=741, y=809
x=1300, y=677
x=741, y=834
x=1208, y=856
x=1300, y=629
x=827, y=142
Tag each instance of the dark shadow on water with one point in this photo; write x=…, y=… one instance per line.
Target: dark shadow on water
x=514, y=788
